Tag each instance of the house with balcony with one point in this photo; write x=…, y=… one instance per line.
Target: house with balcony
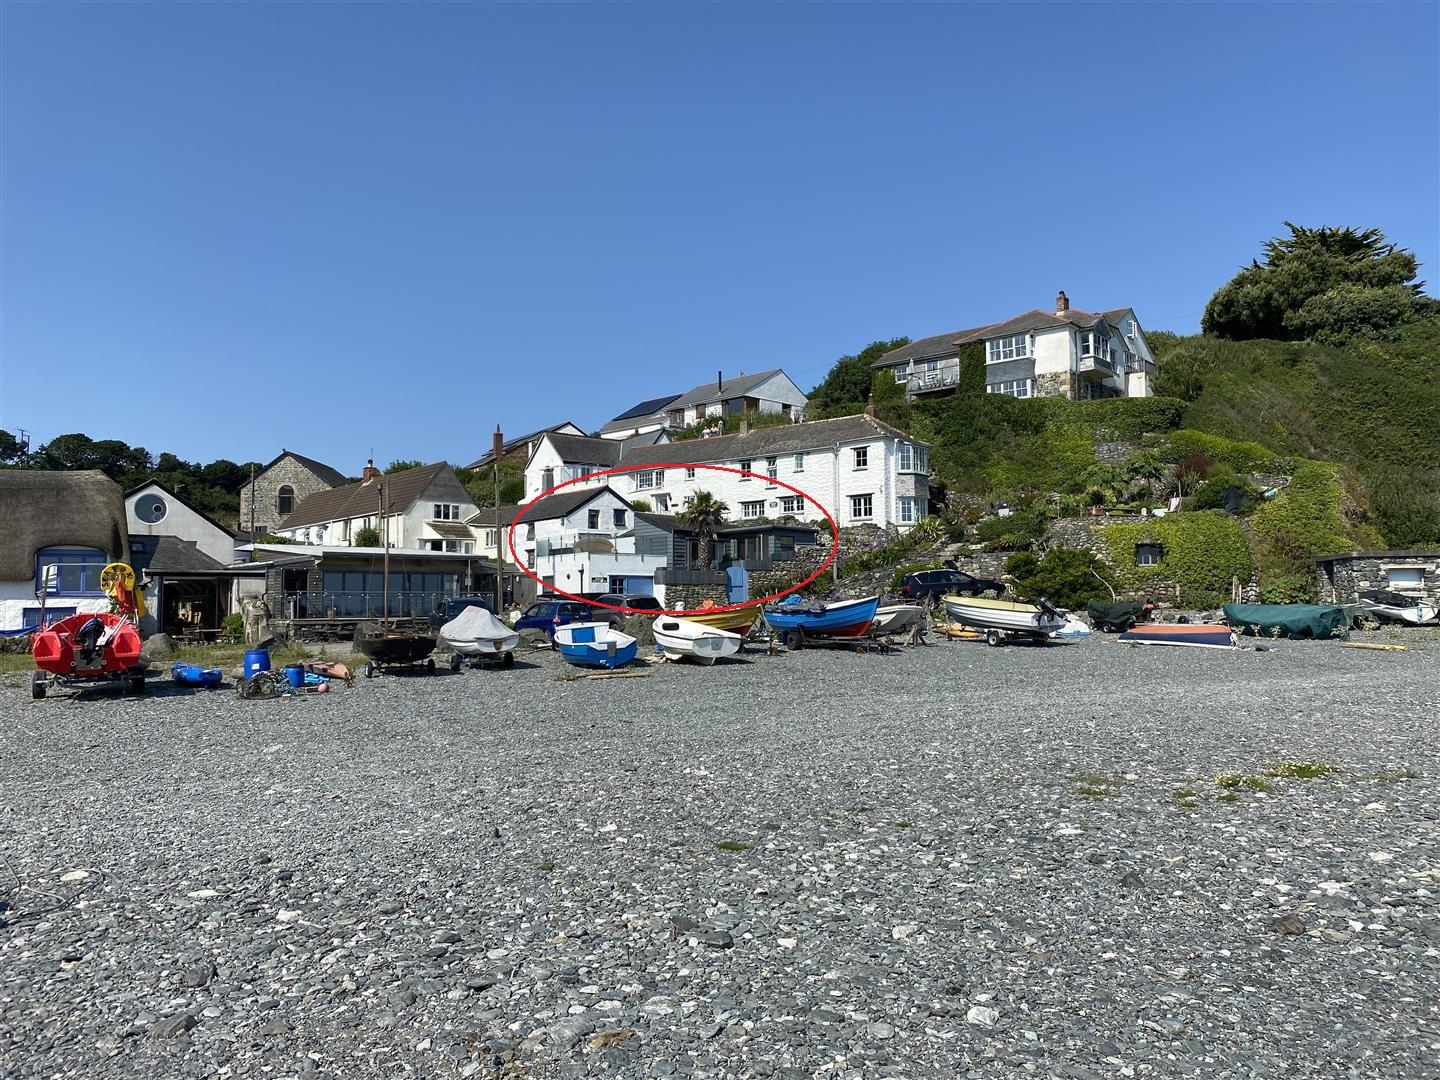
x=763, y=392
x=1064, y=353
x=582, y=541
x=423, y=508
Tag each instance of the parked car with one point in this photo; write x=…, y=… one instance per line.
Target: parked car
x=456, y=604
x=933, y=584
x=643, y=605
x=547, y=614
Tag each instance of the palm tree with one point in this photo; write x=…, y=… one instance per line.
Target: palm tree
x=705, y=516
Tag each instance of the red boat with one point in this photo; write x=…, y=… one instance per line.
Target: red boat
x=94, y=646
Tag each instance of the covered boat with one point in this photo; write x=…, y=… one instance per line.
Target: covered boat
x=1075, y=629
x=795, y=620
x=1396, y=607
x=686, y=639
x=1196, y=635
x=594, y=644
x=195, y=675
x=476, y=634
x=1001, y=617
x=740, y=621
x=1288, y=620
x=1119, y=616
x=393, y=648
x=892, y=618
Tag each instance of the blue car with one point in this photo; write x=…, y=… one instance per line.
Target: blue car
x=548, y=614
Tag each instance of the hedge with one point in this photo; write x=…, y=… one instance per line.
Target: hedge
x=1243, y=457
x=1203, y=552
x=1304, y=520
x=1132, y=418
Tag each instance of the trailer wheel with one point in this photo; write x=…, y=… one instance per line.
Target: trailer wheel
x=455, y=662
x=794, y=639
x=137, y=684
x=509, y=660
x=994, y=638
x=430, y=666
x=369, y=669
x=37, y=687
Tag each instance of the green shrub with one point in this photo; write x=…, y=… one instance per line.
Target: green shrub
x=1227, y=491
x=1068, y=577
x=366, y=537
x=232, y=627
x=1202, y=552
x=1304, y=520
x=1132, y=418
x=642, y=506
x=1019, y=530
x=1288, y=589
x=1238, y=455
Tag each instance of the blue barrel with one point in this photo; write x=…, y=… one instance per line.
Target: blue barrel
x=295, y=675
x=256, y=661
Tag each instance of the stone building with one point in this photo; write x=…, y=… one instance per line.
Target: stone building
x=1341, y=579
x=280, y=487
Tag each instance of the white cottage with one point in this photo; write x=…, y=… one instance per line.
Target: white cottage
x=763, y=392
x=1064, y=353
x=424, y=508
x=582, y=540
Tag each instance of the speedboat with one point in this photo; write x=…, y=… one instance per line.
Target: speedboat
x=685, y=639
x=892, y=618
x=1395, y=607
x=999, y=618
x=796, y=620
x=594, y=644
x=1195, y=635
x=476, y=634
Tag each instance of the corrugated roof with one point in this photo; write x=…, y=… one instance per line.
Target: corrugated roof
x=767, y=442
x=362, y=498
x=708, y=393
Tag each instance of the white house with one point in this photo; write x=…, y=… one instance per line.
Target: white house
x=862, y=471
x=522, y=446
x=1065, y=353
x=559, y=457
x=582, y=541
x=423, y=508
x=764, y=392
x=61, y=529
x=153, y=511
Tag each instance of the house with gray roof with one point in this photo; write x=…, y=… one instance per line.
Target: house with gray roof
x=1061, y=353
x=769, y=391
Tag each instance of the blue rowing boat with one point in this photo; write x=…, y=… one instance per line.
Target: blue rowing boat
x=845, y=619
x=590, y=644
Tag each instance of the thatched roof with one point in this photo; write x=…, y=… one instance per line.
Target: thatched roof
x=40, y=509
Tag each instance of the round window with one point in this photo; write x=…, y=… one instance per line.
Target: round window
x=150, y=509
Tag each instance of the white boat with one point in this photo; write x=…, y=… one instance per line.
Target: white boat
x=682, y=639
x=1075, y=629
x=896, y=617
x=475, y=634
x=1397, y=608
x=1001, y=617
x=594, y=644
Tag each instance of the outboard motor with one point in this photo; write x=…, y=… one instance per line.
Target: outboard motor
x=1049, y=608
x=86, y=643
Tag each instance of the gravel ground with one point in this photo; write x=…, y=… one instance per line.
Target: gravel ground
x=954, y=861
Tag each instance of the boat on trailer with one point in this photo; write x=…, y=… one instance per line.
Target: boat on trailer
x=685, y=639
x=796, y=622
x=1000, y=619
x=475, y=634
x=1194, y=635
x=893, y=618
x=1396, y=607
x=594, y=644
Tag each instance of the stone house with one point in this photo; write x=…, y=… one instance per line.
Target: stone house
x=280, y=487
x=1065, y=353
x=1341, y=579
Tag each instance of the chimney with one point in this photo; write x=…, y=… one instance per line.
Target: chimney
x=744, y=427
x=371, y=472
x=1062, y=303
x=497, y=448
x=870, y=405
x=720, y=382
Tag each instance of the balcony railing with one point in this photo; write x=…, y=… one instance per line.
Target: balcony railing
x=921, y=382
x=595, y=543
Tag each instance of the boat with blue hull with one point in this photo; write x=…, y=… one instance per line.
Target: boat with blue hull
x=1194, y=635
x=592, y=644
x=795, y=622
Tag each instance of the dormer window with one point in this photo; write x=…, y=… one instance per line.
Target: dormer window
x=1014, y=347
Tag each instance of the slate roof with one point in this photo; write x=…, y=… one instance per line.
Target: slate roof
x=172, y=553
x=402, y=491
x=152, y=482
x=333, y=477
x=510, y=445
x=587, y=449
x=487, y=515
x=452, y=530
x=945, y=344
x=767, y=442
x=707, y=393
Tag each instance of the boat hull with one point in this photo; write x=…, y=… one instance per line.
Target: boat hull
x=1193, y=635
x=736, y=622
x=1012, y=617
x=893, y=618
x=594, y=645
x=848, y=619
x=1289, y=620
x=195, y=675
x=685, y=639
x=391, y=647
x=1421, y=613
x=54, y=648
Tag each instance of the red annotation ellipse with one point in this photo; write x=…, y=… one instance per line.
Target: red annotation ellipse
x=548, y=588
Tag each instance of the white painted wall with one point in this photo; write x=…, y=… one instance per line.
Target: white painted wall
x=1054, y=351
x=182, y=522
x=547, y=457
x=16, y=596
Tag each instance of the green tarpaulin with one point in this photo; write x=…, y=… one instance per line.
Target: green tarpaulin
x=1115, y=617
x=1288, y=620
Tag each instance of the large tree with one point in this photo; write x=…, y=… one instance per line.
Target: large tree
x=1330, y=284
x=848, y=382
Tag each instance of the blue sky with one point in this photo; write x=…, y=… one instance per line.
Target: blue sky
x=334, y=227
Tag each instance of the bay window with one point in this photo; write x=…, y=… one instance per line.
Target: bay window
x=1014, y=347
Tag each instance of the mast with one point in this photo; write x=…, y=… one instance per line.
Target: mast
x=385, y=571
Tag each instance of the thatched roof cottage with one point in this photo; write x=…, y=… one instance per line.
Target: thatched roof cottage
x=57, y=532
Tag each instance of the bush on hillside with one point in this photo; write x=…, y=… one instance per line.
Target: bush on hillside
x=1020, y=530
x=1067, y=577
x=1236, y=454
x=1305, y=520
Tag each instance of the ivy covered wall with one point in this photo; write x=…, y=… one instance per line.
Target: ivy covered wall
x=1202, y=553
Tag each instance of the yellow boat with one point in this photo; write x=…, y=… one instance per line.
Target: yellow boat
x=740, y=621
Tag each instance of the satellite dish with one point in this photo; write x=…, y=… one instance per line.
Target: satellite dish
x=150, y=509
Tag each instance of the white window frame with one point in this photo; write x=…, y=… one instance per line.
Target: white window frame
x=752, y=508
x=1016, y=388
x=901, y=376
x=647, y=479
x=792, y=504
x=861, y=459
x=689, y=473
x=868, y=503
x=1415, y=586
x=800, y=462
x=1011, y=347
x=1154, y=554
x=905, y=510
x=772, y=470
x=746, y=465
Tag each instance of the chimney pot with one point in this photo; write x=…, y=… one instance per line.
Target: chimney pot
x=1062, y=303
x=371, y=472
x=870, y=405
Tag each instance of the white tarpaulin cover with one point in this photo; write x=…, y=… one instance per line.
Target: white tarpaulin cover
x=474, y=624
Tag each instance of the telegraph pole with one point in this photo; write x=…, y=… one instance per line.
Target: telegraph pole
x=496, y=449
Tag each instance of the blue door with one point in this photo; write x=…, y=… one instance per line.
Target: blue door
x=737, y=583
x=639, y=586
